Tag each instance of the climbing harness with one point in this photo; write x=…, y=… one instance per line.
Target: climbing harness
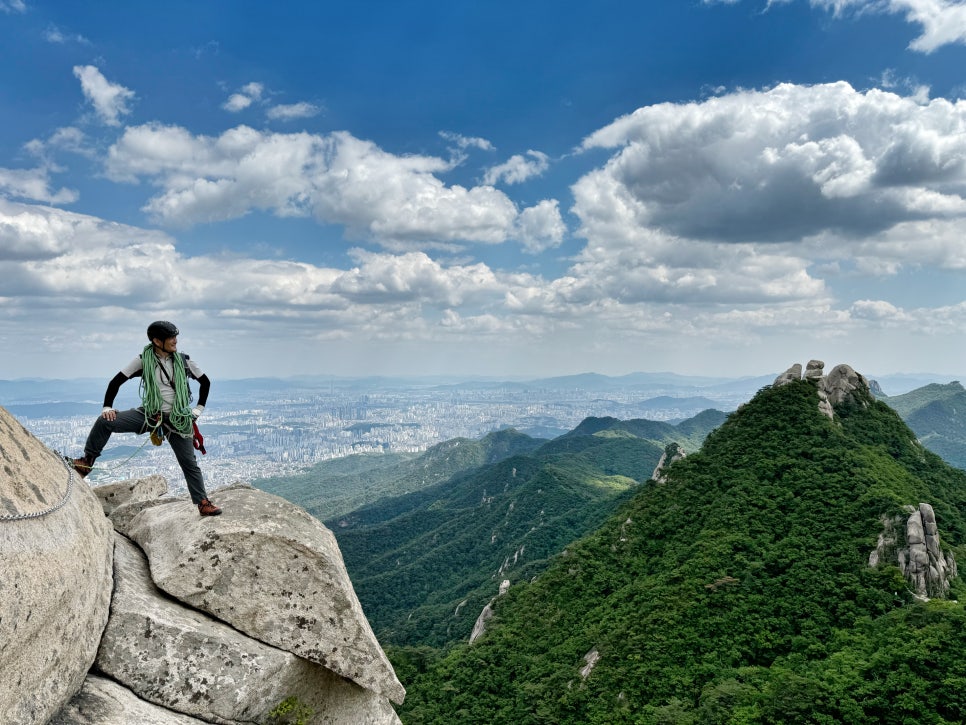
x=154, y=425
x=50, y=509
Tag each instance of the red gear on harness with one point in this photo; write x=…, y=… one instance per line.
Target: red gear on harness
x=198, y=440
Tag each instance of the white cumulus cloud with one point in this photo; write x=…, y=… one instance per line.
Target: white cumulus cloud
x=518, y=168
x=784, y=165
x=540, y=227
x=110, y=100
x=398, y=201
x=876, y=310
x=34, y=184
x=246, y=96
x=415, y=277
x=56, y=260
x=943, y=22
x=237, y=102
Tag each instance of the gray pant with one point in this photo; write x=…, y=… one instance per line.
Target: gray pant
x=132, y=421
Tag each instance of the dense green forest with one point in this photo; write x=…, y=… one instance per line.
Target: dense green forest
x=425, y=564
x=739, y=591
x=339, y=486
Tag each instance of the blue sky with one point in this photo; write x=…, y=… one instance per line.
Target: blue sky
x=500, y=189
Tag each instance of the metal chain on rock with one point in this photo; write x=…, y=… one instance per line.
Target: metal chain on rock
x=51, y=509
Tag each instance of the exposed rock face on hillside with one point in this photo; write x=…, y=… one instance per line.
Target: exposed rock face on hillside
x=264, y=567
x=479, y=627
x=840, y=385
x=912, y=542
x=55, y=577
x=925, y=564
x=672, y=452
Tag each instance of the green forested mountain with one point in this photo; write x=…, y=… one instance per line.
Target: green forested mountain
x=333, y=488
x=424, y=565
x=937, y=415
x=739, y=591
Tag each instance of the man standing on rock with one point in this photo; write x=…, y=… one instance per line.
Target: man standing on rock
x=165, y=410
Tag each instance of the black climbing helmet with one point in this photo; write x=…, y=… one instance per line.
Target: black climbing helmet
x=162, y=330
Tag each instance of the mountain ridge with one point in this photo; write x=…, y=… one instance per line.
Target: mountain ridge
x=418, y=558
x=738, y=591
x=331, y=489
x=937, y=415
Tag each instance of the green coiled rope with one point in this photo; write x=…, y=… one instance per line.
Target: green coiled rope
x=180, y=415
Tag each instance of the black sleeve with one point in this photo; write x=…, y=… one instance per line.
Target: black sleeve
x=204, y=385
x=112, y=387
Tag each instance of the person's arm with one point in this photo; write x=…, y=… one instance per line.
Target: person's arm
x=108, y=413
x=195, y=372
x=204, y=385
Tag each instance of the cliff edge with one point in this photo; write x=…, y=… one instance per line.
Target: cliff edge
x=120, y=604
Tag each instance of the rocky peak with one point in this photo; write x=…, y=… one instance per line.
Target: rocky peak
x=813, y=370
x=193, y=619
x=793, y=373
x=842, y=384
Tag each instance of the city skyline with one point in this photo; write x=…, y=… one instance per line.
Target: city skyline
x=711, y=188
x=260, y=429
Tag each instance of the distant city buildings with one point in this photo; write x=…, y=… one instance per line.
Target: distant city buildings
x=257, y=434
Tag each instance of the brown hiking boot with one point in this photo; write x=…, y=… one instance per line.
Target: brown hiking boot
x=83, y=466
x=207, y=508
